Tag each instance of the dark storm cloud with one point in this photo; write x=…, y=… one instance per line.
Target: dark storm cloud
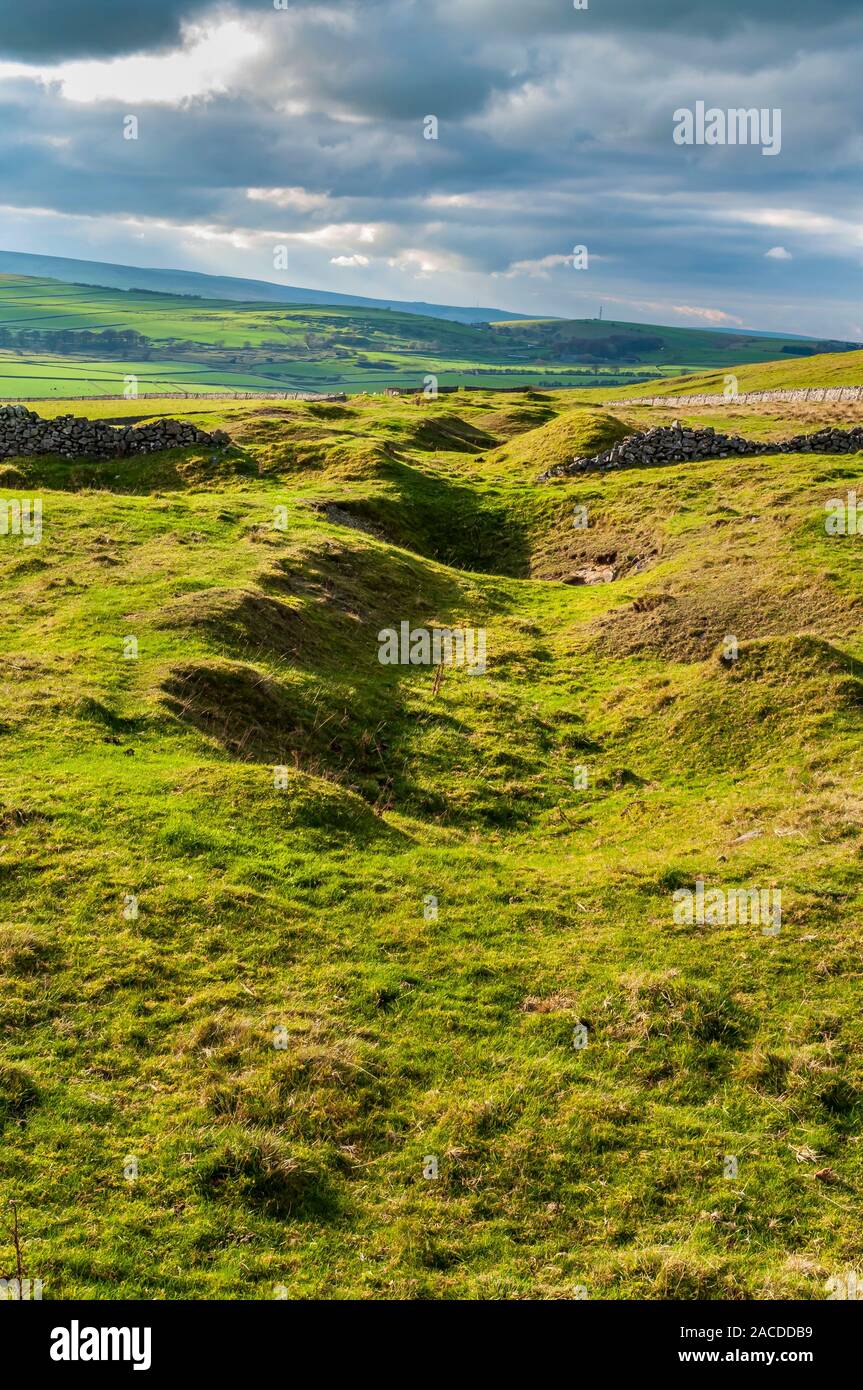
x=400, y=64
x=36, y=30
x=56, y=29
x=691, y=17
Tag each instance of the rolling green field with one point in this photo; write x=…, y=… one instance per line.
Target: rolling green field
x=65, y=340
x=235, y=1032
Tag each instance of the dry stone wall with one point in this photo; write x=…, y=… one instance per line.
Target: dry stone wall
x=205, y=396
x=677, y=444
x=803, y=393
x=23, y=432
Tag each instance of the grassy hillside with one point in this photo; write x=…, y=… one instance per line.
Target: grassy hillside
x=238, y=1089
x=605, y=340
x=826, y=369
x=65, y=340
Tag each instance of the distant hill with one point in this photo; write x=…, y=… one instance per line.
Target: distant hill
x=601, y=340
x=130, y=277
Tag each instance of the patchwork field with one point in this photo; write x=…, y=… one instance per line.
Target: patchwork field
x=236, y=1028
x=63, y=340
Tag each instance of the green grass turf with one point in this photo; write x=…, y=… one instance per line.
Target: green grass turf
x=300, y=908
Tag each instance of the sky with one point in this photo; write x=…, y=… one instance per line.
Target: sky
x=286, y=140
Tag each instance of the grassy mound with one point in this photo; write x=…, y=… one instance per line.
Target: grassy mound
x=168, y=470
x=448, y=433
x=568, y=435
x=237, y=619
x=291, y=722
x=732, y=712
x=685, y=621
x=515, y=419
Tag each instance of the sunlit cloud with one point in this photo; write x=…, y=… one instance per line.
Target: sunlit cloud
x=297, y=199
x=713, y=316
x=207, y=65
